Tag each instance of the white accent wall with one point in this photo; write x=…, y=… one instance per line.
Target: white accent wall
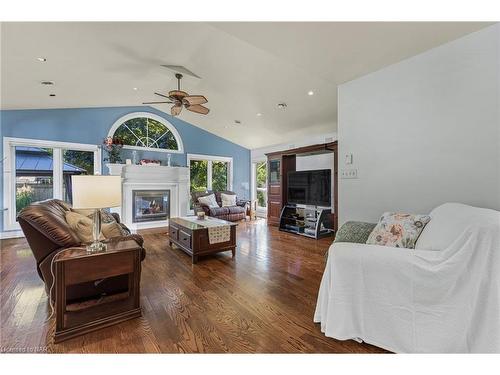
x=423, y=131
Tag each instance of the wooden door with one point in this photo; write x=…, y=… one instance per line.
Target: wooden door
x=274, y=196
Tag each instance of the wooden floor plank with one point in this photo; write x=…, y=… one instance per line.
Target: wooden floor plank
x=261, y=301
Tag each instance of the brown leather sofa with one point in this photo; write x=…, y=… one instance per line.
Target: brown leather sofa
x=231, y=213
x=47, y=232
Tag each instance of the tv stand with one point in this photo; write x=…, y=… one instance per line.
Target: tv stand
x=312, y=222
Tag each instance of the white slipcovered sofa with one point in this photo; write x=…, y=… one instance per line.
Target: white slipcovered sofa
x=441, y=297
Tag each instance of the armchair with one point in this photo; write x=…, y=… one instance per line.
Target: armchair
x=47, y=232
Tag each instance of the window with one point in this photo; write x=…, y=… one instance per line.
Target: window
x=143, y=130
x=261, y=184
x=34, y=175
x=36, y=170
x=75, y=162
x=210, y=173
x=219, y=175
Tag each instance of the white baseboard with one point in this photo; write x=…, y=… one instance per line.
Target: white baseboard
x=11, y=234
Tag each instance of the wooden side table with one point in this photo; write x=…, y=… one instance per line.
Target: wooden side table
x=75, y=266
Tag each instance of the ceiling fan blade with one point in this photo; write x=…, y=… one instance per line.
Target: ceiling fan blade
x=194, y=99
x=156, y=102
x=176, y=110
x=165, y=96
x=198, y=109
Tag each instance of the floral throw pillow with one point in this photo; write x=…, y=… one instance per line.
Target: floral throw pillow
x=398, y=230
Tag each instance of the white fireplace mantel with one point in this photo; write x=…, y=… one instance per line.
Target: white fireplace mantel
x=152, y=177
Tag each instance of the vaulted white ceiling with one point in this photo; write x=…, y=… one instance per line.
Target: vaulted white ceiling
x=245, y=68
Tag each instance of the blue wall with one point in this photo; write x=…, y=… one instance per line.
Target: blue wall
x=91, y=126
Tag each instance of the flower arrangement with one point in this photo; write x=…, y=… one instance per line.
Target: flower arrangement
x=24, y=197
x=150, y=162
x=113, y=147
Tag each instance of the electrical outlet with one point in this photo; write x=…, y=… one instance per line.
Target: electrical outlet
x=349, y=173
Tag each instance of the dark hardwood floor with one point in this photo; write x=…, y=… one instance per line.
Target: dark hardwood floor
x=262, y=301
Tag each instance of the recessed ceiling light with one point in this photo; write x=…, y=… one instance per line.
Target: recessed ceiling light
x=310, y=93
x=135, y=89
x=282, y=105
x=259, y=114
x=47, y=83
x=41, y=59
x=52, y=94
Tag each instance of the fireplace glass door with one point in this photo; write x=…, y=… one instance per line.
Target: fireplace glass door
x=150, y=205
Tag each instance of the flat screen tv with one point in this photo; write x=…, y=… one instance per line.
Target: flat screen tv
x=312, y=188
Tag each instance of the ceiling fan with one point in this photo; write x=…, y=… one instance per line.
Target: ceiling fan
x=180, y=98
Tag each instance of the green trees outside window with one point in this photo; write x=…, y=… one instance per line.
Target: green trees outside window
x=219, y=175
x=198, y=174
x=209, y=175
x=146, y=132
x=261, y=183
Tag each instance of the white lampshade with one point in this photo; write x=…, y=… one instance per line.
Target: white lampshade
x=96, y=191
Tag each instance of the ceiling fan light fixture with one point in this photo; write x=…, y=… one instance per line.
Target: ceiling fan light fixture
x=181, y=99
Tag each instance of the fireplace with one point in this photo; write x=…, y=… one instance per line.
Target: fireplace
x=150, y=205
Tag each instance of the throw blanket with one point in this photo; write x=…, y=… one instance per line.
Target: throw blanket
x=417, y=300
x=218, y=230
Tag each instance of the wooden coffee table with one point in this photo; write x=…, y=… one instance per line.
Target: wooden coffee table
x=192, y=237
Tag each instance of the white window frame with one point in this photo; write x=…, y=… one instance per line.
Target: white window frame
x=9, y=171
x=152, y=116
x=261, y=211
x=210, y=159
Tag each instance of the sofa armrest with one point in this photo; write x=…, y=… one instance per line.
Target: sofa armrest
x=242, y=202
x=197, y=207
x=354, y=231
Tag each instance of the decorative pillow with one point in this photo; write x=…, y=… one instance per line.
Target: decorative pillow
x=111, y=230
x=228, y=200
x=208, y=200
x=106, y=217
x=354, y=231
x=83, y=225
x=398, y=230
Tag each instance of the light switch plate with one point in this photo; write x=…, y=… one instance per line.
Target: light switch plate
x=349, y=173
x=348, y=159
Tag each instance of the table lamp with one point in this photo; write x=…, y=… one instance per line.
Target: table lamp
x=96, y=192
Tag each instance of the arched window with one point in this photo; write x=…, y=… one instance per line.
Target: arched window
x=143, y=130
